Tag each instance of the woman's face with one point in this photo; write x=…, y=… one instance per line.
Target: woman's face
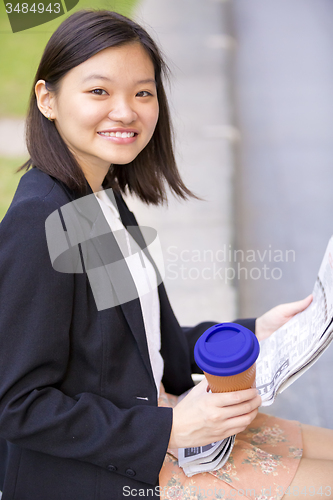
x=106, y=108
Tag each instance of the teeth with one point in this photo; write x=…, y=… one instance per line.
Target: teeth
x=117, y=134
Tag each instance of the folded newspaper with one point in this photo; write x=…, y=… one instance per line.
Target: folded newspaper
x=205, y=458
x=283, y=358
x=297, y=345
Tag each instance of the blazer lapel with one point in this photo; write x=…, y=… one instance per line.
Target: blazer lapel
x=129, y=221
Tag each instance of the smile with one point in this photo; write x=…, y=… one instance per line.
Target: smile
x=117, y=134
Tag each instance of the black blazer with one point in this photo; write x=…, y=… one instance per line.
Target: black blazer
x=71, y=424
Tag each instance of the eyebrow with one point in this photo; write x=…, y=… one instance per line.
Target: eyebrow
x=103, y=77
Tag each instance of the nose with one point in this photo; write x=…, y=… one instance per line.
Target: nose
x=122, y=111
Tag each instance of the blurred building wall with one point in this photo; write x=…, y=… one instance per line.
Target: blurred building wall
x=283, y=89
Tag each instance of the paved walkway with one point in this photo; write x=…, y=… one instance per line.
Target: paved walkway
x=12, y=137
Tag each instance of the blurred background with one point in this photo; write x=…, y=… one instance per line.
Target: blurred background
x=250, y=93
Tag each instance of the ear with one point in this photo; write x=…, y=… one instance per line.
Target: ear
x=45, y=100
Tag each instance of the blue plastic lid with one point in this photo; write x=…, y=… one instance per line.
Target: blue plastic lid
x=226, y=349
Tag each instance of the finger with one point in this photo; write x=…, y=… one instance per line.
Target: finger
x=242, y=408
x=299, y=305
x=239, y=424
x=234, y=425
x=224, y=399
x=307, y=301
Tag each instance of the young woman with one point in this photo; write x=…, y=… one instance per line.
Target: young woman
x=79, y=414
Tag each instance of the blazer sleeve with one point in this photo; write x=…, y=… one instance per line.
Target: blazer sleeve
x=35, y=320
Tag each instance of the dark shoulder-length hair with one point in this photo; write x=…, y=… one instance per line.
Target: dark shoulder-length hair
x=79, y=37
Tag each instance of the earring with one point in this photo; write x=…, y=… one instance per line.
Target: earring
x=49, y=117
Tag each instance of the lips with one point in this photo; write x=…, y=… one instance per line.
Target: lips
x=124, y=135
x=119, y=136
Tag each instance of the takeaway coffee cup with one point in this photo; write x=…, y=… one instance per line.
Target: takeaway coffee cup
x=227, y=353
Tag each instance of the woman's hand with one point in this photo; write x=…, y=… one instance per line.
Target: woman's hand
x=203, y=417
x=278, y=316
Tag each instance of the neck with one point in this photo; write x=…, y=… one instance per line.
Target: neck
x=95, y=177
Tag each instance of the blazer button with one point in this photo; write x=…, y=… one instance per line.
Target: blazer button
x=130, y=472
x=112, y=468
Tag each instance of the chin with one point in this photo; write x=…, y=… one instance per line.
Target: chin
x=123, y=161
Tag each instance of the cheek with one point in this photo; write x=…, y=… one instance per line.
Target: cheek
x=78, y=114
x=152, y=118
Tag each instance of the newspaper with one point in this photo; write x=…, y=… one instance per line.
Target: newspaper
x=293, y=348
x=205, y=458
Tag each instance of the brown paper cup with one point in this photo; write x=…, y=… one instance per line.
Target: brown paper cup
x=239, y=382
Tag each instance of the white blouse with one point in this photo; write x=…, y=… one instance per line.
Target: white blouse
x=144, y=277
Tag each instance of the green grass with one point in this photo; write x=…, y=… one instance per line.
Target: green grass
x=20, y=53
x=8, y=181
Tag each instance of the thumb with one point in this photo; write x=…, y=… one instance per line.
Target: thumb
x=299, y=305
x=201, y=387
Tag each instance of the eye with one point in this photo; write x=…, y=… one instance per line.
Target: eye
x=144, y=92
x=98, y=92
